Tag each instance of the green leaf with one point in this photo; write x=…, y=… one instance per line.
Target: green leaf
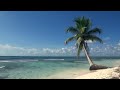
x=72, y=30
x=69, y=39
x=95, y=31
x=79, y=49
x=82, y=32
x=93, y=38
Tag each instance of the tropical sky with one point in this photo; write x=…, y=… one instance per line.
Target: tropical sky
x=42, y=33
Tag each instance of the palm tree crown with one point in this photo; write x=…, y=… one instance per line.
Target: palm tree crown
x=82, y=32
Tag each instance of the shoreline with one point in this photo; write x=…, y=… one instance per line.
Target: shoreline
x=68, y=74
x=110, y=73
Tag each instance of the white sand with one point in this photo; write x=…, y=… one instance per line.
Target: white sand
x=68, y=74
x=111, y=73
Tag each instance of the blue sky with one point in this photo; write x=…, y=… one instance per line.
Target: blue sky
x=44, y=31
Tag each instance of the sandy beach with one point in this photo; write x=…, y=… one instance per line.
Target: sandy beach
x=111, y=73
x=68, y=74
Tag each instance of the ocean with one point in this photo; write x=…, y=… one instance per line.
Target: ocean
x=48, y=67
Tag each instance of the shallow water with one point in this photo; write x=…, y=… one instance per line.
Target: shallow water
x=48, y=67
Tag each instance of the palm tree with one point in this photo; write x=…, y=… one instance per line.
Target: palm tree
x=82, y=33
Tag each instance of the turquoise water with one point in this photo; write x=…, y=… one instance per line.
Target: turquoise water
x=44, y=67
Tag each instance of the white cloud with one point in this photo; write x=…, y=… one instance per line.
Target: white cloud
x=15, y=51
x=8, y=50
x=118, y=44
x=106, y=50
x=89, y=41
x=95, y=50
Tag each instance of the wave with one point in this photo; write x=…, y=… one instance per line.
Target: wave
x=53, y=59
x=18, y=61
x=27, y=60
x=5, y=61
x=2, y=67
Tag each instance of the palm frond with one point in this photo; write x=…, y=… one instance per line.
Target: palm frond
x=88, y=25
x=70, y=39
x=79, y=49
x=83, y=32
x=95, y=31
x=83, y=24
x=78, y=23
x=79, y=45
x=72, y=30
x=78, y=41
x=93, y=38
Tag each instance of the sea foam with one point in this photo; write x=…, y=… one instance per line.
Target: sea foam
x=53, y=59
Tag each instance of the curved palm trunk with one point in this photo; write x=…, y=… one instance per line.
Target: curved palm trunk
x=92, y=65
x=87, y=55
